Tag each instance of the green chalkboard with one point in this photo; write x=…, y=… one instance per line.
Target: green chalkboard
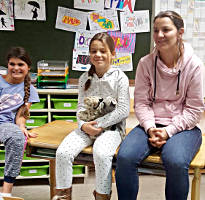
x=44, y=42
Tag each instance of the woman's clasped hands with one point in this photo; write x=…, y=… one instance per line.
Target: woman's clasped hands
x=158, y=136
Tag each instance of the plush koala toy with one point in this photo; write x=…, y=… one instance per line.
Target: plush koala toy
x=96, y=107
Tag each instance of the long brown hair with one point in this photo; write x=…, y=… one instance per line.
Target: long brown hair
x=20, y=53
x=177, y=21
x=106, y=39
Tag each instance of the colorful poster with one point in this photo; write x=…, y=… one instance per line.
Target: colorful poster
x=82, y=39
x=124, y=5
x=123, y=61
x=81, y=60
x=6, y=15
x=106, y=20
x=135, y=22
x=89, y=4
x=71, y=20
x=30, y=10
x=124, y=42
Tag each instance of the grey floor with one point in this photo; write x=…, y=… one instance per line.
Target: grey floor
x=151, y=188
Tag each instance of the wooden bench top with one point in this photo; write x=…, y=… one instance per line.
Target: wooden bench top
x=51, y=134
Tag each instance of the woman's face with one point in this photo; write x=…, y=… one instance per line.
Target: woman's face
x=17, y=70
x=166, y=34
x=100, y=56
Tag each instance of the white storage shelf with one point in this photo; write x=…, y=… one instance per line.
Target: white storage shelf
x=49, y=110
x=49, y=93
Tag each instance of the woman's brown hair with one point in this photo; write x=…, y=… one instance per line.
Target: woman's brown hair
x=20, y=53
x=177, y=21
x=106, y=39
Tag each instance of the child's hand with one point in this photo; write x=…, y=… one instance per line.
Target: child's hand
x=90, y=129
x=27, y=133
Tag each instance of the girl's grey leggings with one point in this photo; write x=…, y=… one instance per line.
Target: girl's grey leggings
x=13, y=139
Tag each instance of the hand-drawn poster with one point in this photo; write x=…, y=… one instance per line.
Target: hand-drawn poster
x=6, y=15
x=82, y=40
x=199, y=17
x=123, y=61
x=89, y=4
x=30, y=10
x=135, y=22
x=81, y=60
x=71, y=20
x=106, y=20
x=124, y=42
x=124, y=5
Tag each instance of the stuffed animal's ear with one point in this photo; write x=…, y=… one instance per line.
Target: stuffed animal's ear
x=113, y=103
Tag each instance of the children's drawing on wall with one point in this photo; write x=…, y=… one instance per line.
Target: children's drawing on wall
x=35, y=11
x=30, y=10
x=124, y=5
x=71, y=20
x=124, y=42
x=82, y=40
x=89, y=4
x=135, y=22
x=105, y=20
x=81, y=60
x=6, y=15
x=123, y=61
x=3, y=23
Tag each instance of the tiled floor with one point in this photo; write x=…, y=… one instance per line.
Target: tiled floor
x=151, y=188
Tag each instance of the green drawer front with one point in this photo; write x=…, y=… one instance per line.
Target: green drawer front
x=39, y=105
x=70, y=104
x=34, y=170
x=36, y=120
x=66, y=118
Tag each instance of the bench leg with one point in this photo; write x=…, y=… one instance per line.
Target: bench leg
x=52, y=177
x=113, y=175
x=195, y=191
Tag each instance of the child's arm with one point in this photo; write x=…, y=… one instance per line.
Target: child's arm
x=21, y=122
x=122, y=109
x=87, y=127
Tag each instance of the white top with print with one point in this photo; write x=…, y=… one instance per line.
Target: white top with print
x=11, y=99
x=114, y=83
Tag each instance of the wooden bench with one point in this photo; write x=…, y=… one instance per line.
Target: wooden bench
x=12, y=198
x=51, y=134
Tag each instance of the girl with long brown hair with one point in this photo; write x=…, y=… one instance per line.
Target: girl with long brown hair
x=101, y=80
x=16, y=96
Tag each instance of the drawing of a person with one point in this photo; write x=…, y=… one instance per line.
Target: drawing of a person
x=3, y=23
x=35, y=14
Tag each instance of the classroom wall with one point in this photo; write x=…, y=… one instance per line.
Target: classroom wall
x=44, y=42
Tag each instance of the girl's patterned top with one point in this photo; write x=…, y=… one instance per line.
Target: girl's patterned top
x=114, y=83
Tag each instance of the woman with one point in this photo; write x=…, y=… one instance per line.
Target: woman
x=168, y=103
x=101, y=80
x=16, y=96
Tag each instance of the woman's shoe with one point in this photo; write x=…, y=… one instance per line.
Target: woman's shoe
x=99, y=196
x=63, y=194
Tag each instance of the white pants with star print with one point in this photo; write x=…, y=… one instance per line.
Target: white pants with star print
x=104, y=148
